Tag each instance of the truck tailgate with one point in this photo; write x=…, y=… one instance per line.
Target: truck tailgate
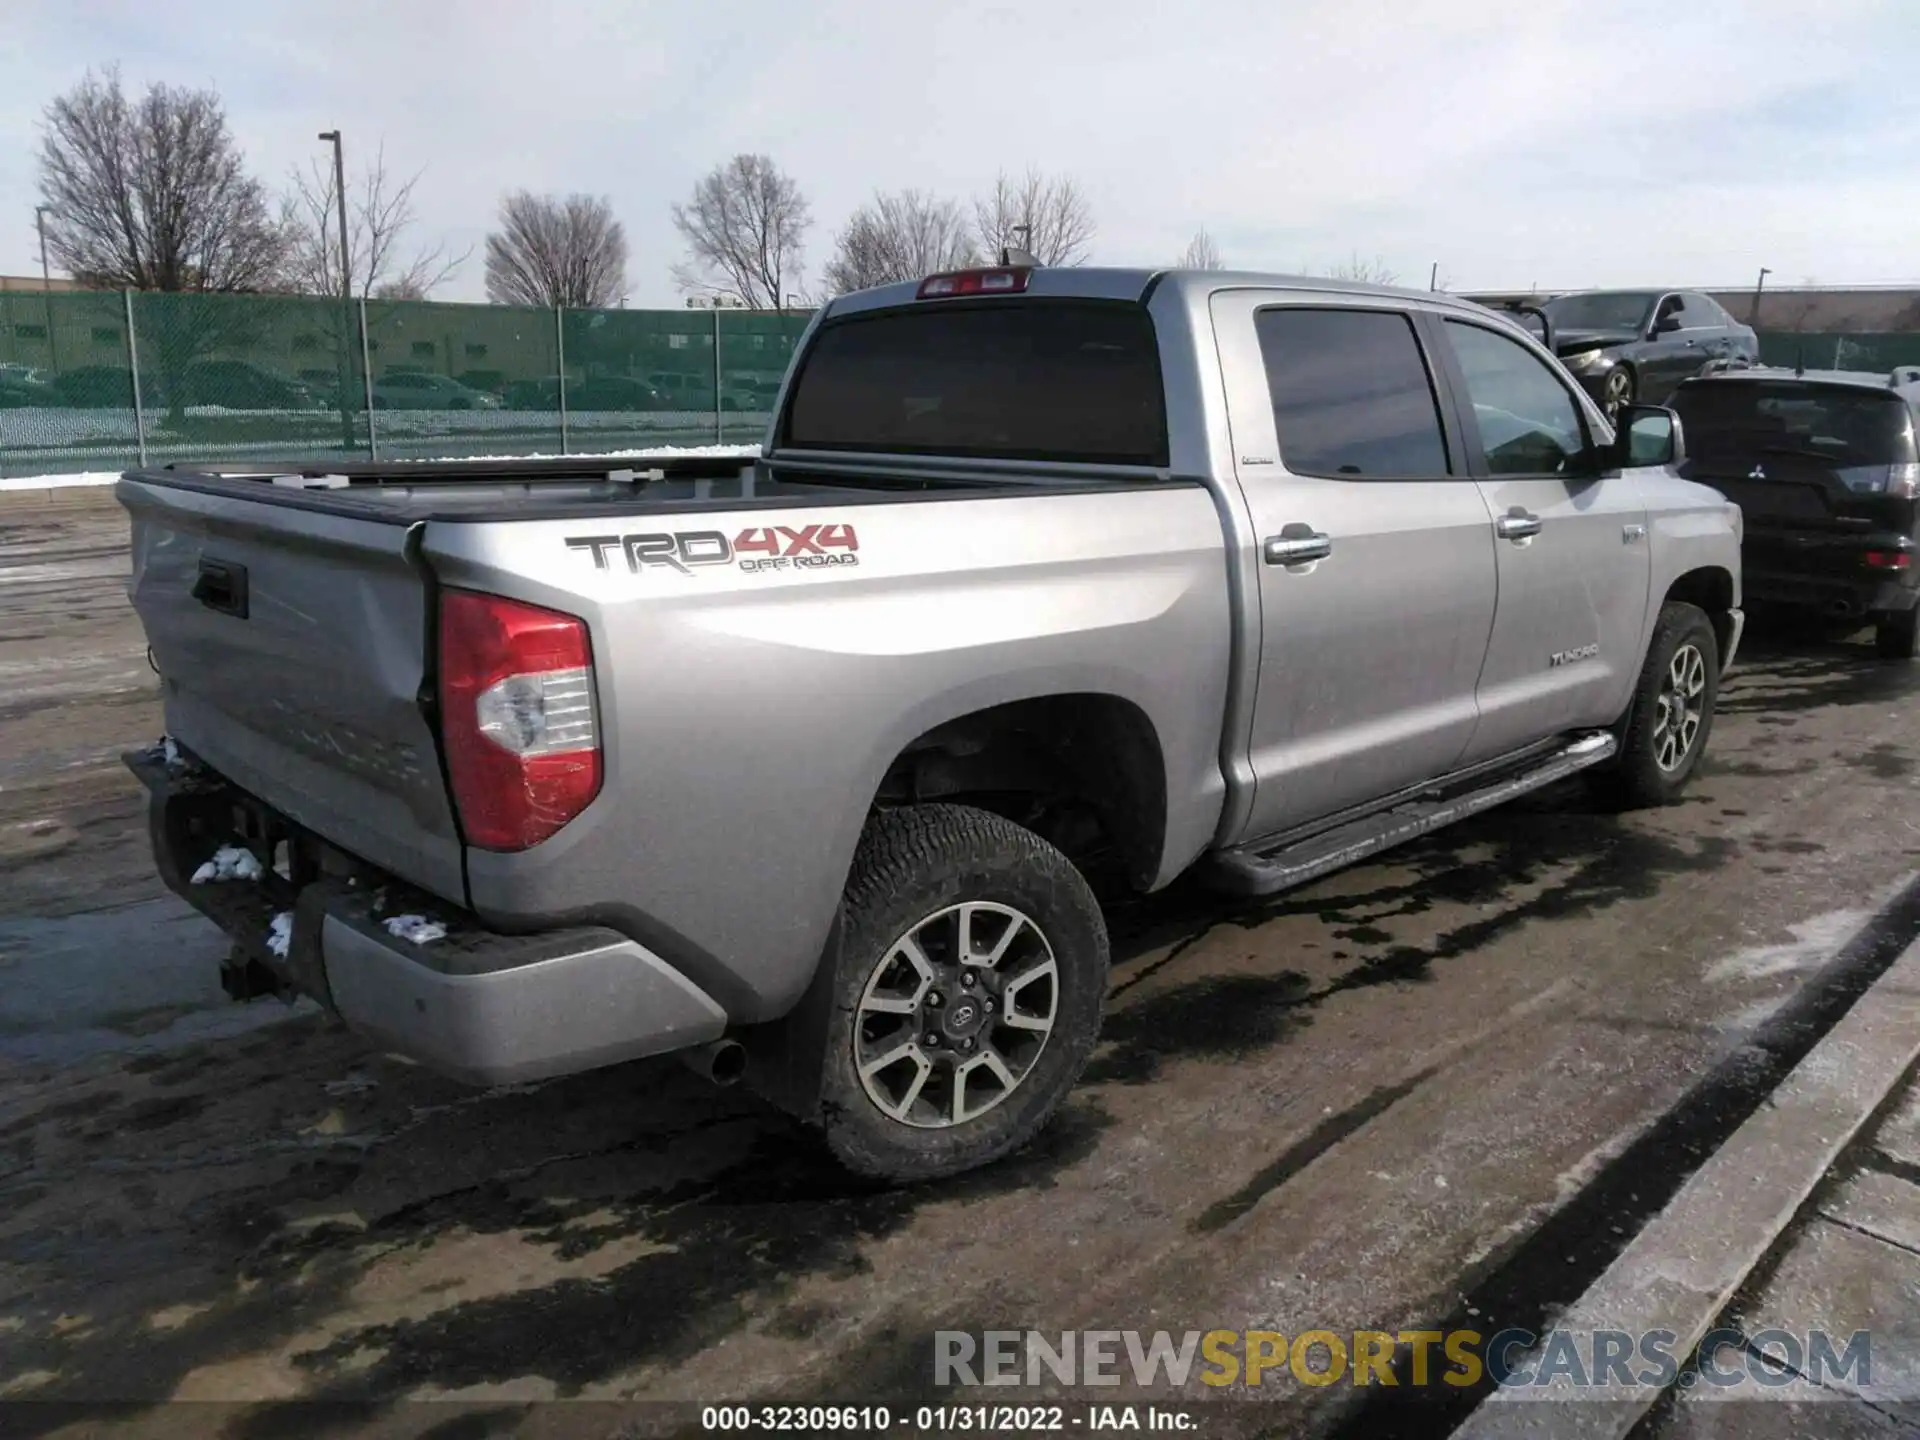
x=292, y=647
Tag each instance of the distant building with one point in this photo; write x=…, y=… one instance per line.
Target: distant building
x=33, y=284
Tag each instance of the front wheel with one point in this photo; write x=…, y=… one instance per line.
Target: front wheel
x=1617, y=394
x=1897, y=636
x=1665, y=729
x=970, y=975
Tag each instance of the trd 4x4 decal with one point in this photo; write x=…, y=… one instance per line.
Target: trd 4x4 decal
x=759, y=547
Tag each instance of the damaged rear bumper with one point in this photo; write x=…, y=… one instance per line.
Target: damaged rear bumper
x=472, y=1003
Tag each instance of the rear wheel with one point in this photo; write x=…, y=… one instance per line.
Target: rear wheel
x=1665, y=729
x=1897, y=636
x=970, y=976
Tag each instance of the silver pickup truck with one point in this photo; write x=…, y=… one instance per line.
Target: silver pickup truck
x=812, y=765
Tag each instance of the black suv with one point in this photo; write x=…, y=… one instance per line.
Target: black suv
x=1628, y=345
x=1823, y=466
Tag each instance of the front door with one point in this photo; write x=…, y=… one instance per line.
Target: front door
x=1570, y=540
x=1377, y=552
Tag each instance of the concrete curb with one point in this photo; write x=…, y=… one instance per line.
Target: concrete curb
x=1682, y=1269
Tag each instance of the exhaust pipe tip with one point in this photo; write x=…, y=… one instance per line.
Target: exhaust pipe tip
x=719, y=1062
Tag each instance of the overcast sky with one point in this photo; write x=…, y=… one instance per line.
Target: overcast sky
x=1562, y=142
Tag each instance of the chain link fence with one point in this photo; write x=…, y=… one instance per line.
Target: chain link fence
x=93, y=380
x=103, y=381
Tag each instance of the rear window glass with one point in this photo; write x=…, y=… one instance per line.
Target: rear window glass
x=1028, y=379
x=1732, y=419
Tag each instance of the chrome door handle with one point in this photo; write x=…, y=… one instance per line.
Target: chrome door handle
x=1516, y=524
x=1296, y=544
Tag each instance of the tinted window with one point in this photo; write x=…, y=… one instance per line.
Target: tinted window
x=1702, y=311
x=1528, y=423
x=1028, y=379
x=1351, y=393
x=1601, y=310
x=1744, y=422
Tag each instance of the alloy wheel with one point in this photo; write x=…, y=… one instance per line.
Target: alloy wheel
x=1679, y=711
x=955, y=1014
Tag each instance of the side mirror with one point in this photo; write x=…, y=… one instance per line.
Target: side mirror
x=1667, y=323
x=1649, y=435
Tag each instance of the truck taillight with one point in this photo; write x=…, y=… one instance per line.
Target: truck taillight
x=517, y=716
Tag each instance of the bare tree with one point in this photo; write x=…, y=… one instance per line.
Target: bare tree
x=1369, y=272
x=153, y=194
x=1201, y=254
x=745, y=226
x=899, y=237
x=379, y=214
x=553, y=251
x=1047, y=216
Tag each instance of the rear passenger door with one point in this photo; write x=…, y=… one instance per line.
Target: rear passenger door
x=1570, y=540
x=1377, y=564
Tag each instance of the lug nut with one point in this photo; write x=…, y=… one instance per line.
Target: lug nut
x=987, y=1004
x=936, y=999
x=966, y=1044
x=967, y=980
x=932, y=1042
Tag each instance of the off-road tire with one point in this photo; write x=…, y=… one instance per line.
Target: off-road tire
x=1897, y=636
x=911, y=864
x=1634, y=779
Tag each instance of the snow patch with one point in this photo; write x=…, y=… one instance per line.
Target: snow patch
x=280, y=934
x=1588, y=745
x=109, y=477
x=169, y=751
x=416, y=928
x=1813, y=942
x=229, y=862
x=60, y=482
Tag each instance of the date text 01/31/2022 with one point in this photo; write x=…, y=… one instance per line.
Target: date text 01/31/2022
x=758, y=547
x=938, y=1419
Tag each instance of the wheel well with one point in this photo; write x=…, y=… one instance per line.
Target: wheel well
x=1710, y=588
x=1084, y=772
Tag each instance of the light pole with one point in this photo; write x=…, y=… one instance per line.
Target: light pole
x=40, y=224
x=46, y=282
x=343, y=368
x=340, y=191
x=1753, y=317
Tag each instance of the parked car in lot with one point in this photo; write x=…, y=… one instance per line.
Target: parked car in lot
x=1823, y=465
x=418, y=390
x=1049, y=584
x=242, y=385
x=22, y=388
x=613, y=392
x=94, y=387
x=1636, y=345
x=681, y=391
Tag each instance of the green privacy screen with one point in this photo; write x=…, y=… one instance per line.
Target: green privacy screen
x=98, y=380
x=101, y=381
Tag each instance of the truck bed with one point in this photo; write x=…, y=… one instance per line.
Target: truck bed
x=405, y=492
x=824, y=616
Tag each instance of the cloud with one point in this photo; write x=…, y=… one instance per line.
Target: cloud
x=1509, y=140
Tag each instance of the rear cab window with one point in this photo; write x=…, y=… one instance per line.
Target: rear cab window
x=1852, y=432
x=1034, y=378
